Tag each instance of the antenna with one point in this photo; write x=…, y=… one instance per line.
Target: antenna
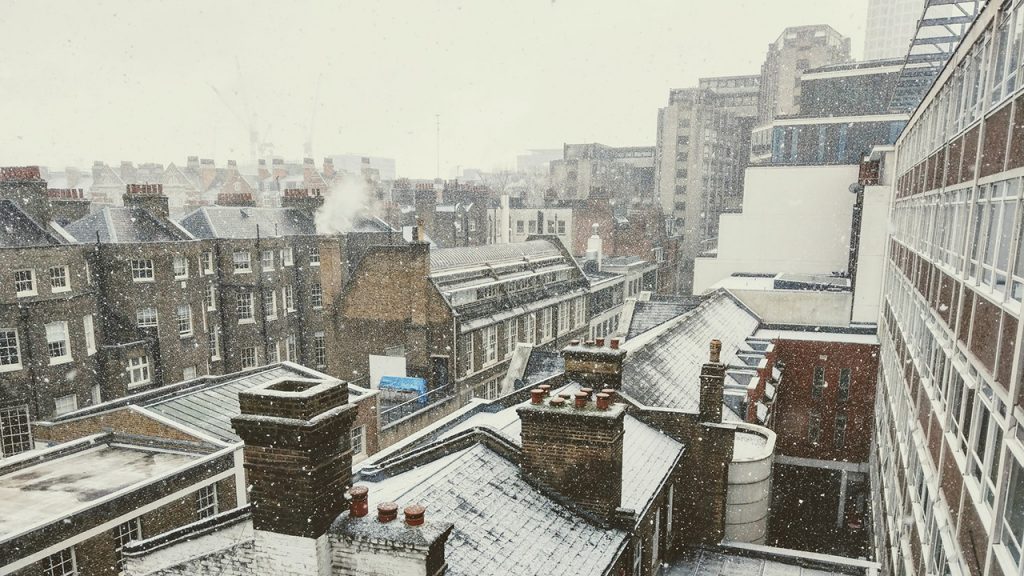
x=437, y=146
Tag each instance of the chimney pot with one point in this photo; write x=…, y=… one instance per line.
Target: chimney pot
x=600, y=342
x=557, y=402
x=615, y=343
x=546, y=388
x=610, y=392
x=358, y=507
x=716, y=351
x=587, y=391
x=565, y=396
x=590, y=343
x=537, y=396
x=386, y=512
x=414, y=515
x=580, y=400
x=603, y=401
x=574, y=343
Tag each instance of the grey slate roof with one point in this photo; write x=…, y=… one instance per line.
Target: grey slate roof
x=18, y=230
x=123, y=225
x=647, y=315
x=665, y=372
x=209, y=408
x=503, y=525
x=444, y=259
x=243, y=221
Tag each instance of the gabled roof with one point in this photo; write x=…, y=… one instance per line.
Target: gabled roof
x=647, y=315
x=665, y=371
x=503, y=524
x=243, y=222
x=18, y=230
x=446, y=259
x=126, y=225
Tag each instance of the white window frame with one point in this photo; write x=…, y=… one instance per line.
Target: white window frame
x=142, y=270
x=215, y=344
x=244, y=356
x=15, y=430
x=62, y=276
x=244, y=302
x=89, y=324
x=314, y=255
x=31, y=290
x=123, y=534
x=62, y=563
x=211, y=298
x=16, y=365
x=190, y=372
x=96, y=394
x=65, y=404
x=291, y=348
x=358, y=436
x=288, y=299
x=287, y=256
x=207, y=501
x=270, y=312
x=511, y=335
x=242, y=261
x=206, y=263
x=184, y=321
x=267, y=260
x=547, y=324
x=180, y=267
x=142, y=314
x=316, y=295
x=65, y=341
x=320, y=350
x=138, y=371
x=489, y=337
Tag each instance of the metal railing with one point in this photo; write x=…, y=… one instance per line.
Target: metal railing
x=393, y=410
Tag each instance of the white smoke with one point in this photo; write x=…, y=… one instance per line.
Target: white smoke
x=348, y=199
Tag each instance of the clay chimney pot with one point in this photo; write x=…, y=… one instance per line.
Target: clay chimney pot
x=386, y=512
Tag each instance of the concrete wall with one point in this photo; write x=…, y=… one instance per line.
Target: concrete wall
x=871, y=254
x=794, y=219
x=805, y=307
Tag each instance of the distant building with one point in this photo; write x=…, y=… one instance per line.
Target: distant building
x=383, y=168
x=891, y=25
x=600, y=171
x=797, y=49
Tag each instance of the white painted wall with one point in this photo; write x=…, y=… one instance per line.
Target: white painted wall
x=871, y=256
x=804, y=307
x=795, y=219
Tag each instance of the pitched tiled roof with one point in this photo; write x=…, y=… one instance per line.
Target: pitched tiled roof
x=647, y=315
x=18, y=230
x=123, y=225
x=665, y=372
x=445, y=259
x=503, y=525
x=243, y=222
x=209, y=408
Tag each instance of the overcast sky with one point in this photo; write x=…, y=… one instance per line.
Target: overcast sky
x=139, y=80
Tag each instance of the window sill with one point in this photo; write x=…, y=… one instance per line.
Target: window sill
x=243, y=271
x=61, y=360
x=316, y=264
x=11, y=368
x=143, y=280
x=134, y=385
x=26, y=294
x=208, y=309
x=271, y=318
x=247, y=321
x=59, y=290
x=185, y=336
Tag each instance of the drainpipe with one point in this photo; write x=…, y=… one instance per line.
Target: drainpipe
x=855, y=232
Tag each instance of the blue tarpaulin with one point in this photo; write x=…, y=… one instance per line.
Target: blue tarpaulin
x=405, y=384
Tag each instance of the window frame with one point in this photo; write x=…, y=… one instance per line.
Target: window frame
x=143, y=270
x=63, y=275
x=138, y=371
x=33, y=289
x=16, y=365
x=242, y=261
x=211, y=506
x=179, y=266
x=65, y=343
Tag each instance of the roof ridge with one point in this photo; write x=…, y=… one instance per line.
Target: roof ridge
x=109, y=223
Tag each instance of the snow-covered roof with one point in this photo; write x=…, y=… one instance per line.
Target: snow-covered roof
x=751, y=560
x=18, y=230
x=503, y=524
x=448, y=259
x=125, y=225
x=647, y=315
x=244, y=221
x=664, y=371
x=72, y=477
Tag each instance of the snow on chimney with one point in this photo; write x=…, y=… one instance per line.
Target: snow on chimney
x=149, y=197
x=297, y=468
x=593, y=365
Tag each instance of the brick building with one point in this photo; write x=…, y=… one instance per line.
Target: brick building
x=72, y=508
x=454, y=316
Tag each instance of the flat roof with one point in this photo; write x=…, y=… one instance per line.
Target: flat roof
x=62, y=485
x=817, y=335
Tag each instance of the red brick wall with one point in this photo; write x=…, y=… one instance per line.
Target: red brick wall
x=795, y=403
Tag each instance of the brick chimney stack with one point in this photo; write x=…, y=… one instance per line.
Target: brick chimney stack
x=298, y=460
x=207, y=173
x=261, y=169
x=149, y=197
x=329, y=170
x=575, y=449
x=24, y=185
x=712, y=385
x=595, y=366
